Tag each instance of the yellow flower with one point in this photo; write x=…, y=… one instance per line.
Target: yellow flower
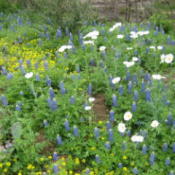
x=30, y=167
x=5, y=170
x=70, y=172
x=8, y=163
x=77, y=161
x=19, y=173
x=125, y=157
x=125, y=169
x=84, y=160
x=100, y=122
x=41, y=159
x=49, y=157
x=93, y=148
x=1, y=165
x=63, y=163
x=77, y=173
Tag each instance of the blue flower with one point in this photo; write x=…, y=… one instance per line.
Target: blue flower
x=129, y=87
x=52, y=103
x=110, y=135
x=120, y=165
x=66, y=125
x=59, y=140
x=72, y=100
x=108, y=125
x=121, y=90
x=4, y=100
x=135, y=171
x=48, y=81
x=75, y=131
x=96, y=132
x=134, y=107
x=55, y=169
x=55, y=156
x=45, y=123
x=167, y=161
x=111, y=116
x=9, y=76
x=107, y=145
x=165, y=147
x=148, y=95
x=37, y=77
x=97, y=158
x=90, y=89
x=58, y=33
x=152, y=158
x=173, y=146
x=114, y=100
x=51, y=93
x=144, y=149
x=136, y=95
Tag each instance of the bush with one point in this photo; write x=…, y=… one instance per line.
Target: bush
x=65, y=13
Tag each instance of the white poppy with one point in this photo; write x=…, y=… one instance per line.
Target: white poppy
x=120, y=36
x=129, y=63
x=159, y=47
x=88, y=42
x=169, y=58
x=93, y=35
x=157, y=77
x=102, y=48
x=137, y=138
x=119, y=24
x=135, y=59
x=91, y=99
x=154, y=124
x=116, y=80
x=65, y=47
x=87, y=108
x=29, y=75
x=127, y=116
x=121, y=127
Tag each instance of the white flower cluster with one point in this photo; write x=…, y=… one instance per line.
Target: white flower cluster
x=65, y=47
x=93, y=35
x=157, y=77
x=117, y=25
x=158, y=47
x=167, y=58
x=29, y=75
x=134, y=34
x=137, y=138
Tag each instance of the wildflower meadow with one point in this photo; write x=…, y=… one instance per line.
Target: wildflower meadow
x=99, y=101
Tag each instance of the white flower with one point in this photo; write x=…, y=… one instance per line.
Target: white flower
x=157, y=77
x=29, y=75
x=141, y=33
x=116, y=80
x=129, y=63
x=159, y=47
x=120, y=36
x=152, y=47
x=119, y=24
x=137, y=138
x=154, y=124
x=102, y=48
x=135, y=59
x=129, y=48
x=121, y=127
x=87, y=108
x=91, y=99
x=169, y=58
x=127, y=116
x=88, y=42
x=166, y=58
x=93, y=35
x=64, y=47
x=133, y=34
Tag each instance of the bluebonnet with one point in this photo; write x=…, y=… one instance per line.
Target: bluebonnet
x=19, y=21
x=72, y=100
x=28, y=62
x=46, y=65
x=45, y=123
x=171, y=173
x=9, y=76
x=165, y=147
x=77, y=68
x=87, y=171
x=147, y=77
x=147, y=50
x=129, y=87
x=51, y=93
x=96, y=133
x=37, y=77
x=143, y=86
x=129, y=133
x=152, y=158
x=67, y=31
x=144, y=149
x=52, y=103
x=48, y=81
x=55, y=169
x=22, y=69
x=148, y=95
x=66, y=125
x=111, y=116
x=134, y=79
x=120, y=90
x=18, y=107
x=59, y=140
x=90, y=89
x=62, y=88
x=135, y=171
x=21, y=93
x=75, y=131
x=71, y=36
x=169, y=119
x=55, y=156
x=114, y=100
x=110, y=135
x=97, y=158
x=107, y=145
x=136, y=95
x=47, y=35
x=58, y=33
x=128, y=76
x=120, y=165
x=173, y=146
x=108, y=125
x=124, y=145
x=4, y=100
x=167, y=161
x=4, y=71
x=80, y=39
x=134, y=106
x=36, y=65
